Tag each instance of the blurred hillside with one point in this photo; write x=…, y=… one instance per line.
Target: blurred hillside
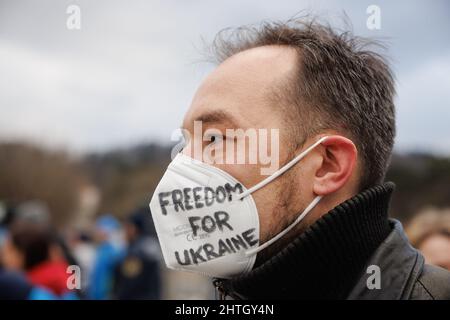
x=125, y=178
x=422, y=181
x=29, y=173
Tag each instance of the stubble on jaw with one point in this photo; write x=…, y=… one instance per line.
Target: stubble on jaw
x=282, y=216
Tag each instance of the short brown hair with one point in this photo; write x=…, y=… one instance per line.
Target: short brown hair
x=345, y=86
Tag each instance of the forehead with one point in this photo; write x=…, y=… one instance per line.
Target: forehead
x=243, y=87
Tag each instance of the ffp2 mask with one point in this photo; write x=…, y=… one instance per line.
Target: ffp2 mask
x=207, y=221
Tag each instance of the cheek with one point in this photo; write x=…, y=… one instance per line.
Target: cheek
x=248, y=175
x=269, y=201
x=266, y=198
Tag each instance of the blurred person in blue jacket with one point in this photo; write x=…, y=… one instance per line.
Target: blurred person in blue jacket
x=138, y=274
x=107, y=255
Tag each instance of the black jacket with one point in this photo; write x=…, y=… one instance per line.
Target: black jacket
x=342, y=255
x=405, y=275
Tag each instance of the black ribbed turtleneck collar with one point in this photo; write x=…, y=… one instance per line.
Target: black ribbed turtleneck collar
x=326, y=260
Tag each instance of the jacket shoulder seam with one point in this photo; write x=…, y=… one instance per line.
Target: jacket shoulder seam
x=425, y=288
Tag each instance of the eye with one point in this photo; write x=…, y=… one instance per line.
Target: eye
x=214, y=138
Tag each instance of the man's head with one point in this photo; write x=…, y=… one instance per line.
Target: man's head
x=26, y=246
x=308, y=82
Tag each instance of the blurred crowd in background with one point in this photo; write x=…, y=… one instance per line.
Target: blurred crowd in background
x=58, y=211
x=115, y=260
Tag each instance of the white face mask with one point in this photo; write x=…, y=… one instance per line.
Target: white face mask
x=207, y=221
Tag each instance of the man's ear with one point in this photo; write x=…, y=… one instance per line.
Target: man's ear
x=339, y=156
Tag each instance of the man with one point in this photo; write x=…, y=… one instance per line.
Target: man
x=137, y=276
x=322, y=220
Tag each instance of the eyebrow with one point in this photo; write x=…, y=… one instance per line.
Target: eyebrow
x=218, y=116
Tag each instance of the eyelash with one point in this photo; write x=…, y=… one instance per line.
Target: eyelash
x=214, y=138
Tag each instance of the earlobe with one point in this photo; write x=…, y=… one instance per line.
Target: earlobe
x=339, y=156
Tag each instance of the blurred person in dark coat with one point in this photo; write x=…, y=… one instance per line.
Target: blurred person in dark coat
x=138, y=274
x=15, y=286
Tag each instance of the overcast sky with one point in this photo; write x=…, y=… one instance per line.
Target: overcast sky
x=130, y=73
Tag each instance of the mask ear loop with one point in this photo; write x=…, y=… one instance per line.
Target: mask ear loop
x=285, y=168
x=282, y=233
x=269, y=179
